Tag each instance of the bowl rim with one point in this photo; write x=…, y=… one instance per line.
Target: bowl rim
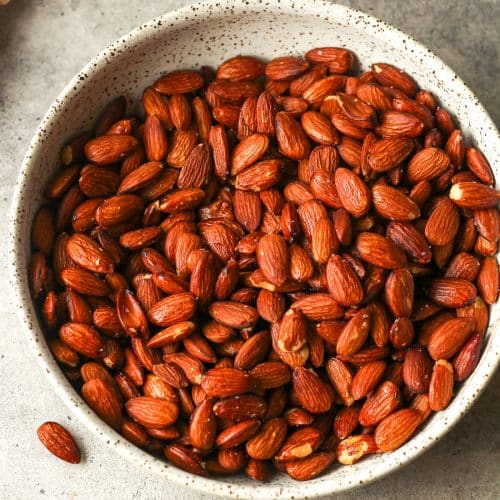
x=22, y=302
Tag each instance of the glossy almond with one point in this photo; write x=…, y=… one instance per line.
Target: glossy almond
x=59, y=442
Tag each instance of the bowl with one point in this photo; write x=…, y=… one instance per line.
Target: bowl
x=208, y=33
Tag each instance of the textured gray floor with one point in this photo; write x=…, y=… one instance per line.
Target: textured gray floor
x=42, y=45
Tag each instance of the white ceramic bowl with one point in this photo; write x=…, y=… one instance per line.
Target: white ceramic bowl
x=208, y=33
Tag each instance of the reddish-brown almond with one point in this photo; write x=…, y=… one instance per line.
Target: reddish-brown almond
x=417, y=368
x=59, y=442
x=292, y=140
x=285, y=68
x=406, y=237
x=379, y=251
x=341, y=378
x=452, y=292
x=179, y=82
x=399, y=292
x=354, y=334
x=172, y=309
x=151, y=412
x=353, y=192
x=203, y=426
x=390, y=76
x=354, y=448
x=233, y=314
x=273, y=258
x=488, y=280
x=396, y=429
x=104, y=400
x=292, y=334
x=441, y=385
x=367, y=378
x=447, y=339
x=223, y=382
x=108, y=149
x=399, y=124
x=310, y=467
x=270, y=374
x=312, y=392
x=479, y=165
x=318, y=307
x=392, y=204
x=443, y=223
x=474, y=195
x=260, y=176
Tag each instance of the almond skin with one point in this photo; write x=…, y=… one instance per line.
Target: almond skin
x=427, y=164
x=292, y=140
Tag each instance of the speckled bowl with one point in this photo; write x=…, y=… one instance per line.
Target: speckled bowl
x=208, y=33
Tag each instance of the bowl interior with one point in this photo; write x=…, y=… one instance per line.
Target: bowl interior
x=206, y=34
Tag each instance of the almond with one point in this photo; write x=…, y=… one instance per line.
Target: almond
x=354, y=334
x=379, y=251
x=104, y=400
x=353, y=192
x=310, y=467
x=441, y=385
x=108, y=149
x=392, y=204
x=293, y=142
x=354, y=448
x=396, y=429
x=240, y=68
x=285, y=68
x=449, y=337
x=223, y=382
x=389, y=75
x=443, y=223
x=273, y=258
x=203, y=426
x=179, y=82
x=312, y=392
x=452, y=292
x=59, y=442
x=388, y=153
x=380, y=404
x=488, y=280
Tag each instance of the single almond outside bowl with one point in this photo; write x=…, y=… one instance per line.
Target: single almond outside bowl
x=206, y=34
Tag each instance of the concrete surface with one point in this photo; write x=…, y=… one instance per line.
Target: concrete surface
x=42, y=45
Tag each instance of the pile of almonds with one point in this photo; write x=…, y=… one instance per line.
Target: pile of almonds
x=282, y=265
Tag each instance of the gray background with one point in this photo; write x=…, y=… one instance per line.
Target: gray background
x=42, y=45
